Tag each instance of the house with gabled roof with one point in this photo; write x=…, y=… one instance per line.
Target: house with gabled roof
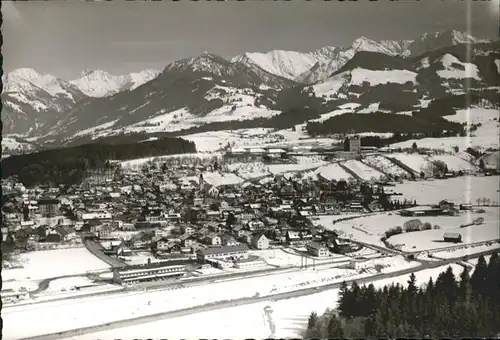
x=238, y=231
x=228, y=240
x=67, y=233
x=260, y=241
x=188, y=240
x=212, y=239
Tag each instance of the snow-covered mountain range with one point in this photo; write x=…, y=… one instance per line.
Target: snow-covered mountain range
x=31, y=100
x=98, y=83
x=317, y=65
x=207, y=89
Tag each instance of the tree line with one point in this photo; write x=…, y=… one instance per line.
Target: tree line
x=384, y=123
x=70, y=165
x=467, y=307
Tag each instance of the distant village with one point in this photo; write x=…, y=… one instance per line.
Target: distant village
x=171, y=212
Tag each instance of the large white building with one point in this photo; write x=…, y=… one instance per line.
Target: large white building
x=224, y=252
x=317, y=249
x=150, y=271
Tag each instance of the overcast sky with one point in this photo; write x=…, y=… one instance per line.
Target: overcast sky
x=63, y=38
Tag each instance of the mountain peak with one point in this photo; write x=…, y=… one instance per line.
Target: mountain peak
x=450, y=36
x=30, y=75
x=97, y=73
x=99, y=83
x=363, y=43
x=205, y=62
x=283, y=63
x=25, y=72
x=209, y=56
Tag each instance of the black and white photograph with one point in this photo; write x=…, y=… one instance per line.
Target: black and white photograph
x=250, y=169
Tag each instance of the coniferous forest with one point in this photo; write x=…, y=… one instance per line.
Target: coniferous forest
x=453, y=306
x=69, y=165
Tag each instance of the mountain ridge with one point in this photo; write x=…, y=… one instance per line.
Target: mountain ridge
x=208, y=89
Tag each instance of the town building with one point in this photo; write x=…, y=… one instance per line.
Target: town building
x=354, y=144
x=317, y=249
x=224, y=252
x=151, y=271
x=260, y=242
x=48, y=207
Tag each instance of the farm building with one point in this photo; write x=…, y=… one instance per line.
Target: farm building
x=422, y=211
x=452, y=237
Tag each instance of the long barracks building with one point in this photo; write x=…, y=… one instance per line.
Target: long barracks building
x=151, y=271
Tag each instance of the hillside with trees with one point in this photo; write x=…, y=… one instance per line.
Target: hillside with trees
x=384, y=123
x=69, y=165
x=467, y=307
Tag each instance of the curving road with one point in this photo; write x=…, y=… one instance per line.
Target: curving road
x=244, y=301
x=96, y=249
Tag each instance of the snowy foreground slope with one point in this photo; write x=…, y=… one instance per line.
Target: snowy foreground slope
x=284, y=318
x=109, y=308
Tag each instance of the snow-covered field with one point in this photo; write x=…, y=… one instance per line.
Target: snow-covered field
x=416, y=162
x=454, y=163
x=466, y=70
x=69, y=283
x=29, y=285
x=454, y=253
x=62, y=262
x=279, y=257
x=486, y=135
x=331, y=86
x=136, y=163
x=219, y=179
x=250, y=170
x=465, y=189
x=331, y=114
x=475, y=115
x=259, y=137
x=371, y=228
x=433, y=239
x=363, y=171
x=355, y=228
x=330, y=172
x=384, y=164
x=360, y=75
x=304, y=163
x=288, y=318
x=215, y=140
